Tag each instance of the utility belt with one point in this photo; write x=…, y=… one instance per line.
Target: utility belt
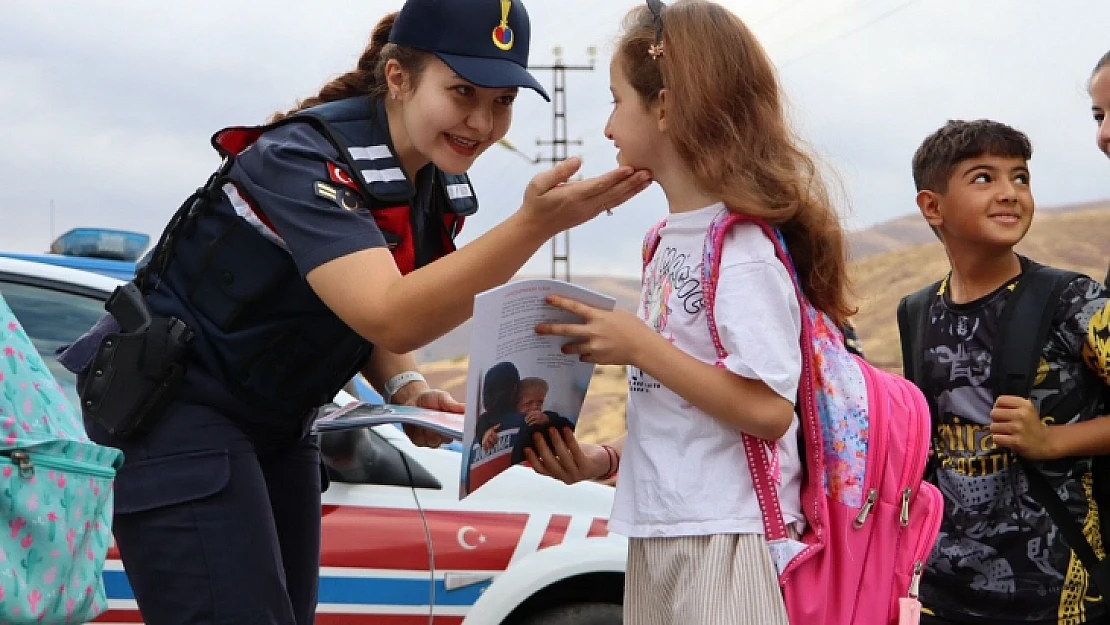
x=137, y=370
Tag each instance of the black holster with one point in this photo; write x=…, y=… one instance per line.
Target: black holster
x=135, y=371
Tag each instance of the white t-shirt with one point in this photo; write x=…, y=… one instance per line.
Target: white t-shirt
x=683, y=472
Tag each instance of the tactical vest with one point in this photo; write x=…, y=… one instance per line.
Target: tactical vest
x=259, y=326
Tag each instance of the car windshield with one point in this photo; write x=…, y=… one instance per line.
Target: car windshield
x=53, y=319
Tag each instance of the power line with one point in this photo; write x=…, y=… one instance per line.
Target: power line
x=767, y=19
x=560, y=243
x=865, y=25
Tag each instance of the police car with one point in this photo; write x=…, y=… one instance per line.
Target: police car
x=398, y=546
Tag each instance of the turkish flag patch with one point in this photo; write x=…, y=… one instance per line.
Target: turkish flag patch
x=339, y=176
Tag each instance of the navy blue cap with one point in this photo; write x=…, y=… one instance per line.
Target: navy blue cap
x=484, y=41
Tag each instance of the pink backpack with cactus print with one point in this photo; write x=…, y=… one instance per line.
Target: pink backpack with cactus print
x=871, y=521
x=55, y=493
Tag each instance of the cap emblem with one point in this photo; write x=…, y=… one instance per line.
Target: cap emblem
x=503, y=36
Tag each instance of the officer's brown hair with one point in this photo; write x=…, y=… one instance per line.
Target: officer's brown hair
x=368, y=77
x=726, y=119
x=1102, y=64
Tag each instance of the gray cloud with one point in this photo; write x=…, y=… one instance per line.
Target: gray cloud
x=108, y=106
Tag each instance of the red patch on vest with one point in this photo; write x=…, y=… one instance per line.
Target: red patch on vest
x=339, y=176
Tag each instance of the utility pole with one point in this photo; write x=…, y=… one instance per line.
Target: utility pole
x=560, y=244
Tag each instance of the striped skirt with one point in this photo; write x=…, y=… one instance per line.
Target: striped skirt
x=724, y=579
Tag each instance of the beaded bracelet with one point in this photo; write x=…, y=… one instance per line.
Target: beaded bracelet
x=614, y=462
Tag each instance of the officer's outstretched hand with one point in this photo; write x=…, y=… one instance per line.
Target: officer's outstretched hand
x=554, y=204
x=433, y=400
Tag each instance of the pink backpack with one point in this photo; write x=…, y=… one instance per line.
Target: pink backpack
x=871, y=520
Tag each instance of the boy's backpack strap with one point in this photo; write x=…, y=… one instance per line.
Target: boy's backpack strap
x=1045, y=495
x=1025, y=325
x=913, y=322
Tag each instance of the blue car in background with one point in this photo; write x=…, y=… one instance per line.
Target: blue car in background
x=112, y=253
x=118, y=269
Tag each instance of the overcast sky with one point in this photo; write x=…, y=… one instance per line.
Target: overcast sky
x=106, y=108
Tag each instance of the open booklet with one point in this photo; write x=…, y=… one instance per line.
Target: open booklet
x=519, y=383
x=361, y=414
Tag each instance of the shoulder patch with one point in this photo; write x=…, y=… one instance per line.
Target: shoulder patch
x=341, y=196
x=338, y=176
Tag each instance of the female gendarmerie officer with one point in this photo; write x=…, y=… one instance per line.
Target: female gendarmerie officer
x=305, y=259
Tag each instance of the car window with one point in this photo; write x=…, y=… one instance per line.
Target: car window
x=362, y=456
x=53, y=319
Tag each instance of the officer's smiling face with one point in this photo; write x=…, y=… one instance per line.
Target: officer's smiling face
x=449, y=121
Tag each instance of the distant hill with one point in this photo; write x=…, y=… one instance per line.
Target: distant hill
x=912, y=230
x=1077, y=239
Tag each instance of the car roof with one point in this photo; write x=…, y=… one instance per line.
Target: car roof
x=55, y=273
x=120, y=269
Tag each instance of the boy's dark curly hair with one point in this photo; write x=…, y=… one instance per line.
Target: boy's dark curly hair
x=936, y=160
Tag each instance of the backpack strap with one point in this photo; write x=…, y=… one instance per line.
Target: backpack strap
x=651, y=242
x=913, y=322
x=1025, y=326
x=761, y=464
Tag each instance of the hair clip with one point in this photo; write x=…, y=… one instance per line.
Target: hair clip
x=655, y=50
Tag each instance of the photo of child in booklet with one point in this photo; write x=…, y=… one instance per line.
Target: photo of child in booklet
x=512, y=413
x=519, y=383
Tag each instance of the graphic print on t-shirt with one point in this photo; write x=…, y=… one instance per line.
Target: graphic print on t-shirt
x=671, y=274
x=999, y=557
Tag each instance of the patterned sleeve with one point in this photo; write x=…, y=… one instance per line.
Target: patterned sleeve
x=1086, y=321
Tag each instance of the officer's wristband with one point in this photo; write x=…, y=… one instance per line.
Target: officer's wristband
x=400, y=380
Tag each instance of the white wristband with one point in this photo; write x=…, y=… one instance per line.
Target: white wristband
x=401, y=379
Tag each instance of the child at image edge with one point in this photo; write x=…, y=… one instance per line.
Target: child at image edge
x=697, y=102
x=999, y=558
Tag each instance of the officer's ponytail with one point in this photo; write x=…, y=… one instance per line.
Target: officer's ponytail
x=368, y=77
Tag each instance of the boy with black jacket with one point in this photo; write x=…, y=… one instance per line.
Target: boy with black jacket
x=1000, y=558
